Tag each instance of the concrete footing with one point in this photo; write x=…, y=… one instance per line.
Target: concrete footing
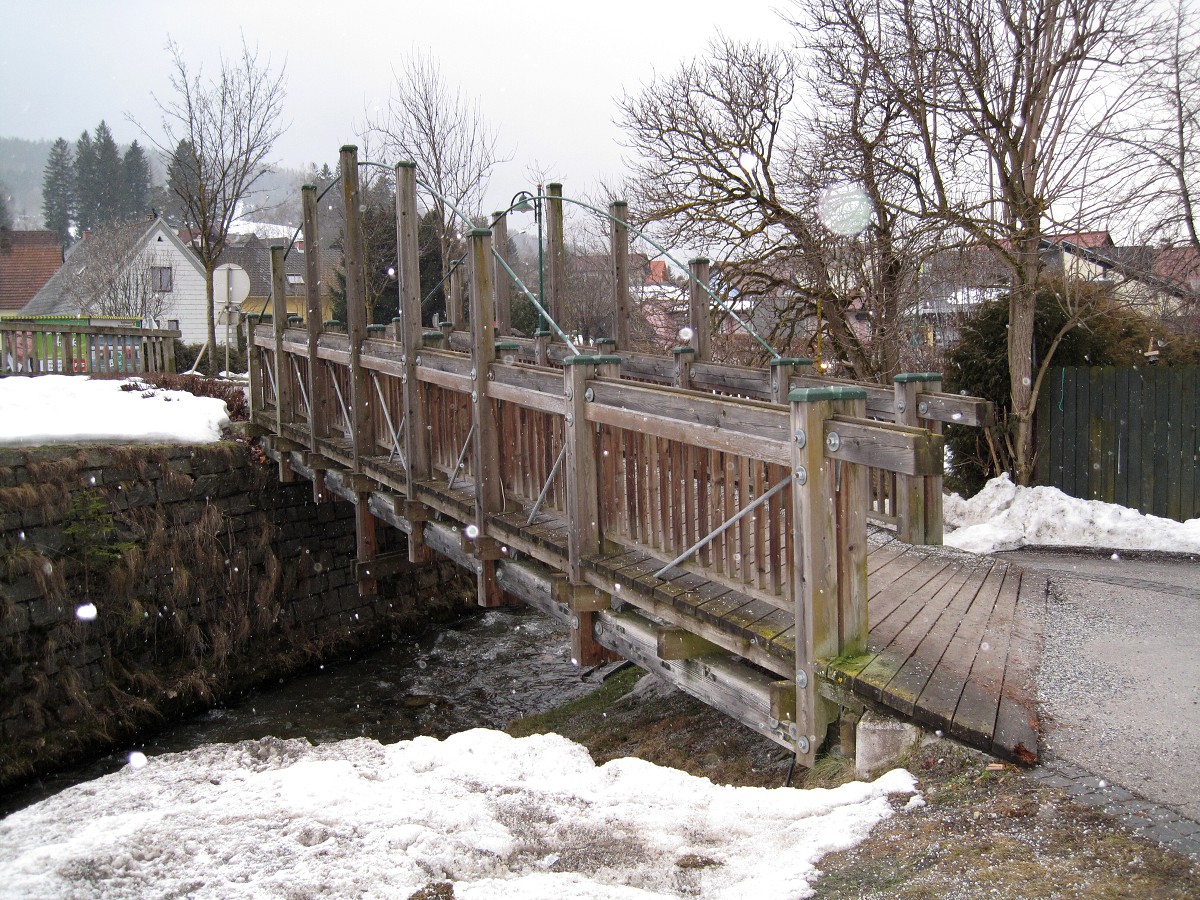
x=880, y=741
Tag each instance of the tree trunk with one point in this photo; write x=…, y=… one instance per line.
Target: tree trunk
x=212, y=319
x=1021, y=307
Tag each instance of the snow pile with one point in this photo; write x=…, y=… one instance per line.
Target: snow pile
x=499, y=817
x=73, y=409
x=1005, y=516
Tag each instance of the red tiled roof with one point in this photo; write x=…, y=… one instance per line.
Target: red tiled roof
x=28, y=259
x=1088, y=240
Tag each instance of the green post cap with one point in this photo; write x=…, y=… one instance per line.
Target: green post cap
x=507, y=345
x=606, y=341
x=332, y=323
x=432, y=335
x=825, y=394
x=906, y=377
x=679, y=351
x=792, y=361
x=376, y=329
x=543, y=332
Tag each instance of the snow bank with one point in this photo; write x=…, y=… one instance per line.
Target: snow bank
x=72, y=409
x=1004, y=516
x=500, y=817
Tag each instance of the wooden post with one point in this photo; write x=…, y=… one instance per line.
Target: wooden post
x=699, y=319
x=684, y=357
x=815, y=557
x=556, y=281
x=455, y=313
x=489, y=491
x=914, y=493
x=361, y=432
x=933, y=483
x=414, y=436
x=502, y=284
x=253, y=365
x=282, y=371
x=583, y=509
x=319, y=400
x=541, y=346
x=619, y=248
x=851, y=481
x=782, y=370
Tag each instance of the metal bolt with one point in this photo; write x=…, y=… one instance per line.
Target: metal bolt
x=491, y=376
x=570, y=419
x=574, y=621
x=923, y=408
x=802, y=744
x=417, y=360
x=900, y=406
x=801, y=679
x=833, y=441
x=801, y=438
x=802, y=475
x=570, y=394
x=473, y=372
x=589, y=395
x=474, y=396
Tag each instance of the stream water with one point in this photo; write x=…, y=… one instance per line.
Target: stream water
x=479, y=673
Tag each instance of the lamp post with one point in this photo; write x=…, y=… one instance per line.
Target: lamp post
x=523, y=201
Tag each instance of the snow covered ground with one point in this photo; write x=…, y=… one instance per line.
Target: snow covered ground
x=500, y=817
x=1005, y=516
x=67, y=409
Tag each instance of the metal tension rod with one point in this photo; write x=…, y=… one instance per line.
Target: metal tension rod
x=341, y=402
x=721, y=529
x=461, y=457
x=387, y=417
x=546, y=488
x=303, y=392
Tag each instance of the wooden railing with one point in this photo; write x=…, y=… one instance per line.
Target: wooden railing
x=752, y=481
x=29, y=347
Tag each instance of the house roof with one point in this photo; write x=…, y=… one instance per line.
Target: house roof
x=1088, y=240
x=28, y=259
x=254, y=255
x=62, y=294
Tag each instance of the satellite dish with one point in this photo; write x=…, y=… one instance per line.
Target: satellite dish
x=231, y=284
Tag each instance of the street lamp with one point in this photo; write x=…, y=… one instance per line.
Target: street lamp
x=523, y=201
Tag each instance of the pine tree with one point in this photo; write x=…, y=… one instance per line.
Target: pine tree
x=136, y=203
x=110, y=177
x=58, y=190
x=6, y=218
x=85, y=184
x=183, y=180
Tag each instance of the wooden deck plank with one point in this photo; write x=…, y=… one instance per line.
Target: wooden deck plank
x=921, y=643
x=1017, y=727
x=921, y=581
x=975, y=716
x=939, y=699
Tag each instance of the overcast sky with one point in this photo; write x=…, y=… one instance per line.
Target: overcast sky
x=546, y=73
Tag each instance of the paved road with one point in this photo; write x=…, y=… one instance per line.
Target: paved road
x=1120, y=677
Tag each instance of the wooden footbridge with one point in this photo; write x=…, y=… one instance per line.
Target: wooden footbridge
x=707, y=521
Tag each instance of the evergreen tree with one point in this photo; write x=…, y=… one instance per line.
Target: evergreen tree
x=183, y=179
x=109, y=177
x=6, y=218
x=136, y=183
x=85, y=214
x=58, y=190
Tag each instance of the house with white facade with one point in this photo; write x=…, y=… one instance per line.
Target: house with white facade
x=138, y=270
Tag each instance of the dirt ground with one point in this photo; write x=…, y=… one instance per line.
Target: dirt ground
x=986, y=830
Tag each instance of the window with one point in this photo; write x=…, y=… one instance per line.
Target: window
x=161, y=279
x=295, y=279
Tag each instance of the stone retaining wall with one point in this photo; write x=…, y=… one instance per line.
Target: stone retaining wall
x=142, y=584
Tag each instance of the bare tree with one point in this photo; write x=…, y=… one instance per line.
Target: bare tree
x=113, y=274
x=434, y=125
x=218, y=135
x=1008, y=103
x=788, y=204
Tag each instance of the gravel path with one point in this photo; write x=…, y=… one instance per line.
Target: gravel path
x=1120, y=677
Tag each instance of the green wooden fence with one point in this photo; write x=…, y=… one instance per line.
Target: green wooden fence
x=1127, y=436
